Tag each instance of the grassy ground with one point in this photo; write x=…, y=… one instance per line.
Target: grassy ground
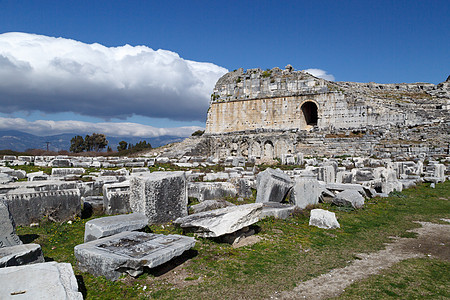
x=290, y=251
x=420, y=278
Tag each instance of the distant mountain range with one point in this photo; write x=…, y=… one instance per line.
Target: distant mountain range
x=21, y=141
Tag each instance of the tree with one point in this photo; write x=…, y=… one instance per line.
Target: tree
x=142, y=145
x=88, y=143
x=122, y=146
x=77, y=144
x=99, y=141
x=94, y=142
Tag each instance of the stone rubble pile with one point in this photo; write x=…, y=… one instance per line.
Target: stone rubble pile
x=136, y=197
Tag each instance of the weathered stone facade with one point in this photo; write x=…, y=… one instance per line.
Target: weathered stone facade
x=265, y=114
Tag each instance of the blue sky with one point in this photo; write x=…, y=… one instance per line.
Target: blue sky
x=379, y=41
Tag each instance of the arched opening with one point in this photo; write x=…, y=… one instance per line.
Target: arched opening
x=309, y=110
x=268, y=149
x=256, y=150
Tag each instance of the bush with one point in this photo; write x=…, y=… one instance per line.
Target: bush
x=198, y=133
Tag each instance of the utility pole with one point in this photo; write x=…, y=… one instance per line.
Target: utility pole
x=47, y=145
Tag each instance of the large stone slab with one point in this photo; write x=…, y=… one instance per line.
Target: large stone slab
x=221, y=221
x=277, y=210
x=5, y=178
x=306, y=190
x=272, y=186
x=8, y=235
x=61, y=172
x=60, y=162
x=107, y=226
x=161, y=196
x=323, y=219
x=349, y=198
x=209, y=205
x=129, y=252
x=211, y=190
x=27, y=206
x=21, y=255
x=243, y=186
x=41, y=281
x=38, y=186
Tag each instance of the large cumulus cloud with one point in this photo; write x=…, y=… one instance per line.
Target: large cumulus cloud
x=46, y=127
x=41, y=73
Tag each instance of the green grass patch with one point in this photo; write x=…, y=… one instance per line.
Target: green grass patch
x=420, y=278
x=290, y=251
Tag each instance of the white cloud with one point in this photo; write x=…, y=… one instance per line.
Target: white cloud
x=45, y=127
x=320, y=74
x=41, y=73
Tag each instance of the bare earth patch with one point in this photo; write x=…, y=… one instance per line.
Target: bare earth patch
x=433, y=240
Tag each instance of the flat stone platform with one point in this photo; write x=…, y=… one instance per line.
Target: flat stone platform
x=129, y=252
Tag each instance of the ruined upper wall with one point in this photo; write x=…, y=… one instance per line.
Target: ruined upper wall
x=287, y=99
x=257, y=84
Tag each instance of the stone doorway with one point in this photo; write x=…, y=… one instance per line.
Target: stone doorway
x=309, y=110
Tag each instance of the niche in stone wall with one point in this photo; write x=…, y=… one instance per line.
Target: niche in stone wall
x=309, y=110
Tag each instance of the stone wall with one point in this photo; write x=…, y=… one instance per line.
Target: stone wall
x=286, y=99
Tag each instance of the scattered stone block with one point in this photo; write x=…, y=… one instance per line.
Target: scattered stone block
x=211, y=190
x=344, y=177
x=161, y=196
x=129, y=252
x=360, y=175
x=277, y=210
x=408, y=183
x=60, y=163
x=327, y=174
x=107, y=226
x=116, y=198
x=221, y=221
x=272, y=186
x=288, y=159
x=162, y=160
x=216, y=176
x=37, y=176
x=137, y=164
x=323, y=219
x=61, y=172
x=50, y=280
x=243, y=186
x=5, y=178
x=349, y=198
x=238, y=161
x=306, y=190
x=28, y=206
x=209, y=205
x=120, y=172
x=21, y=255
x=8, y=235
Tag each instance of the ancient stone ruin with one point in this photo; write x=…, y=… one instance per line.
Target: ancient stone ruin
x=337, y=142
x=272, y=113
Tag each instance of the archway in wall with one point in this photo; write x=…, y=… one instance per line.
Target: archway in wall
x=268, y=149
x=256, y=149
x=309, y=110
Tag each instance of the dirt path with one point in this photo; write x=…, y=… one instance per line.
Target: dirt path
x=433, y=240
